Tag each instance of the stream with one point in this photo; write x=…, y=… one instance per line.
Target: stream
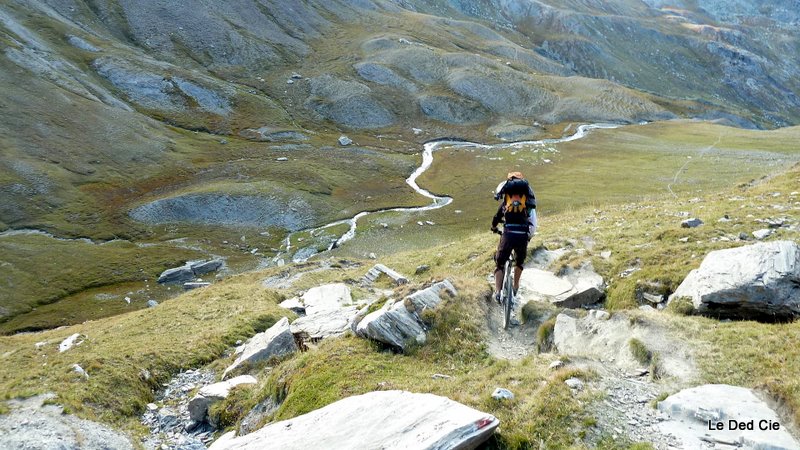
x=436, y=201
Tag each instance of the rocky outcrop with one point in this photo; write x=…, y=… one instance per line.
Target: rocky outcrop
x=30, y=424
x=572, y=289
x=207, y=396
x=190, y=271
x=696, y=413
x=759, y=281
x=380, y=419
x=452, y=110
x=268, y=134
x=607, y=339
x=347, y=103
x=219, y=208
x=398, y=323
x=275, y=341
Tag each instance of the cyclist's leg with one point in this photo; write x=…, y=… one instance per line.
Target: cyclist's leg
x=521, y=250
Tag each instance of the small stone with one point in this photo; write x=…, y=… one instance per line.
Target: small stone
x=439, y=376
x=606, y=254
x=502, y=394
x=345, y=141
x=289, y=81
x=763, y=234
x=416, y=131
x=282, y=158
x=574, y=383
x=602, y=315
x=373, y=256
x=422, y=269
x=152, y=407
x=691, y=223
x=296, y=76
x=557, y=364
x=152, y=303
x=79, y=370
x=743, y=236
x=223, y=141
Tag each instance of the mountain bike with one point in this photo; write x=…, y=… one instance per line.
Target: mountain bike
x=507, y=291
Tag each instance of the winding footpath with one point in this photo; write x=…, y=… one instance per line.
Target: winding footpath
x=436, y=201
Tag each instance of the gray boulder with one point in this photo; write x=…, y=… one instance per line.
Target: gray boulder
x=82, y=44
x=692, y=413
x=572, y=289
x=379, y=269
x=691, y=223
x=189, y=271
x=208, y=395
x=381, y=419
x=394, y=325
x=30, y=424
x=430, y=297
x=759, y=281
x=276, y=341
x=398, y=323
x=176, y=275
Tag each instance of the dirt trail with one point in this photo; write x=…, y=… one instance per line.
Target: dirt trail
x=624, y=412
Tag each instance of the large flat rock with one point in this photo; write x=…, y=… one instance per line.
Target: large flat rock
x=326, y=297
x=578, y=288
x=760, y=281
x=324, y=323
x=694, y=411
x=376, y=420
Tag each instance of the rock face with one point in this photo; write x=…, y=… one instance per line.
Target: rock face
x=691, y=411
x=207, y=396
x=32, y=425
x=760, y=281
x=572, y=290
x=398, y=323
x=608, y=339
x=276, y=341
x=381, y=419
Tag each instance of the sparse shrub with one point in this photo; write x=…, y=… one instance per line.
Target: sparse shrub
x=682, y=306
x=640, y=351
x=544, y=335
x=228, y=412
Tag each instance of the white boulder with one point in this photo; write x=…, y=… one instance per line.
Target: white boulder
x=751, y=282
x=574, y=289
x=321, y=324
x=716, y=411
x=328, y=296
x=381, y=419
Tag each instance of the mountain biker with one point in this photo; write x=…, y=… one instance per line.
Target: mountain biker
x=517, y=211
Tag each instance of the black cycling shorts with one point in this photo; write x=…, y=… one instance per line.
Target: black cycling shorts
x=511, y=241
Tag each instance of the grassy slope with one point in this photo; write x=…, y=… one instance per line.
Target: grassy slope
x=177, y=333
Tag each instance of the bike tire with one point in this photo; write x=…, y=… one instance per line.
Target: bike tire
x=508, y=291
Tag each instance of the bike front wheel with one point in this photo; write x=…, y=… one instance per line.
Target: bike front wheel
x=508, y=294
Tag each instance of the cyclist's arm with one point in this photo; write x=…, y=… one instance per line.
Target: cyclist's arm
x=498, y=217
x=532, y=223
